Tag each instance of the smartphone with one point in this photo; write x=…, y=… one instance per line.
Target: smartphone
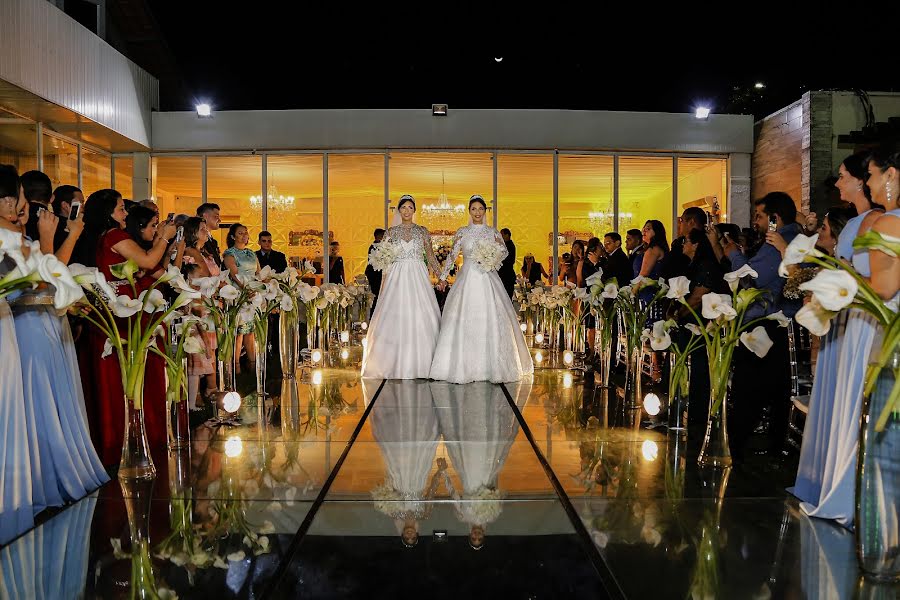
x=773, y=223
x=73, y=213
x=170, y=217
x=179, y=233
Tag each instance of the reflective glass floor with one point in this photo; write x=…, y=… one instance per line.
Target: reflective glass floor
x=339, y=487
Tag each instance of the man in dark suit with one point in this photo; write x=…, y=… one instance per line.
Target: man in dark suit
x=373, y=276
x=335, y=264
x=676, y=263
x=507, y=270
x=268, y=257
x=616, y=263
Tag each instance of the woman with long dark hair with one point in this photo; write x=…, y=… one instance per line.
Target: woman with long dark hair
x=825, y=474
x=137, y=236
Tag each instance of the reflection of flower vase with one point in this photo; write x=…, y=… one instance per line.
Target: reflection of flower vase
x=679, y=381
x=135, y=462
x=715, y=451
x=289, y=343
x=137, y=496
x=878, y=482
x=633, y=396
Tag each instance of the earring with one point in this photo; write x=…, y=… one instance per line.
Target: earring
x=890, y=195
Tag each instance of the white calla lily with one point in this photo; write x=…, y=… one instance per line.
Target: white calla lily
x=757, y=341
x=595, y=279
x=679, y=287
x=694, y=329
x=287, y=303
x=124, y=307
x=193, y=345
x=734, y=278
x=780, y=318
x=797, y=251
x=153, y=300
x=229, y=293
x=717, y=305
x=835, y=290
x=814, y=317
x=659, y=337
x=610, y=291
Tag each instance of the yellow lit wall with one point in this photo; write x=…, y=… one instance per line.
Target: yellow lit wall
x=176, y=185
x=230, y=181
x=525, y=204
x=645, y=191
x=355, y=206
x=699, y=178
x=61, y=162
x=96, y=172
x=124, y=168
x=585, y=187
x=297, y=231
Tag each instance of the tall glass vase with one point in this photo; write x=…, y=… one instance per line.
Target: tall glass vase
x=633, y=396
x=289, y=343
x=261, y=331
x=312, y=328
x=603, y=348
x=135, y=462
x=177, y=422
x=679, y=390
x=715, y=451
x=878, y=483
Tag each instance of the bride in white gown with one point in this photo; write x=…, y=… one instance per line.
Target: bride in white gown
x=480, y=339
x=404, y=327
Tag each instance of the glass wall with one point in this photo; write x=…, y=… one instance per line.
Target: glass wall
x=441, y=183
x=96, y=172
x=645, y=192
x=61, y=161
x=296, y=221
x=235, y=184
x=177, y=184
x=703, y=182
x=124, y=171
x=355, y=206
x=585, y=198
x=18, y=146
x=525, y=205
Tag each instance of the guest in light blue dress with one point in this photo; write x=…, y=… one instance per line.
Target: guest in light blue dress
x=64, y=465
x=241, y=262
x=826, y=472
x=16, y=513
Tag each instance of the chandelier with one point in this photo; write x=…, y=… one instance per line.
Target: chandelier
x=601, y=220
x=443, y=210
x=275, y=201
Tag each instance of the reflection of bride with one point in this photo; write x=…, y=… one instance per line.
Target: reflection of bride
x=478, y=429
x=405, y=426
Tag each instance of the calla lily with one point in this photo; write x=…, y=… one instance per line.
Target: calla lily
x=782, y=320
x=83, y=275
x=171, y=273
x=595, y=279
x=693, y=329
x=124, y=270
x=734, y=278
x=153, y=300
x=107, y=348
x=610, y=291
x=679, y=287
x=659, y=337
x=125, y=307
x=582, y=294
x=229, y=293
x=287, y=304
x=717, y=305
x=834, y=290
x=814, y=317
x=757, y=341
x=797, y=251
x=265, y=273
x=55, y=273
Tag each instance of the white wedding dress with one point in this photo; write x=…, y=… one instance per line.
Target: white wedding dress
x=480, y=339
x=404, y=327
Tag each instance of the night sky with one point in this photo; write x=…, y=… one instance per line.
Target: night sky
x=280, y=59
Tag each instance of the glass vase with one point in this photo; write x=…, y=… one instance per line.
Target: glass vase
x=878, y=482
x=679, y=390
x=715, y=451
x=289, y=343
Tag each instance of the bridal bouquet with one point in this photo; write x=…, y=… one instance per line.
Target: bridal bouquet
x=384, y=254
x=488, y=255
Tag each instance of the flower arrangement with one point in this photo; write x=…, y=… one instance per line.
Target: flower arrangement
x=384, y=254
x=488, y=256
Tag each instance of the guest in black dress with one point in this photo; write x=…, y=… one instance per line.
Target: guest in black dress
x=533, y=271
x=507, y=270
x=373, y=276
x=335, y=264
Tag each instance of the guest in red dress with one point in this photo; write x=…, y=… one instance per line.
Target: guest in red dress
x=148, y=248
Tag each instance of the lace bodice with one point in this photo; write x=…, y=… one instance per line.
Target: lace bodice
x=415, y=242
x=464, y=241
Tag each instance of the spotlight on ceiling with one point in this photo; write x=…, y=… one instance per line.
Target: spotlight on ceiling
x=702, y=112
x=204, y=110
x=439, y=110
